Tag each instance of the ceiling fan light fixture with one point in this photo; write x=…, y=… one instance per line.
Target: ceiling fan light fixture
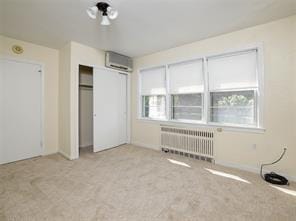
x=107, y=12
x=105, y=21
x=112, y=14
x=92, y=12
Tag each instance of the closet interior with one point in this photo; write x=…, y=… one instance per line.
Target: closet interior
x=85, y=108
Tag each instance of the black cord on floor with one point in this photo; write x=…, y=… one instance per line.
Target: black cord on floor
x=273, y=177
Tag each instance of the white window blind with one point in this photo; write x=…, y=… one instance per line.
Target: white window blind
x=233, y=71
x=186, y=77
x=153, y=81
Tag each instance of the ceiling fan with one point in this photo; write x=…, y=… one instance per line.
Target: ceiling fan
x=107, y=12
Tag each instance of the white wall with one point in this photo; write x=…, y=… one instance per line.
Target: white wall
x=85, y=107
x=236, y=148
x=50, y=59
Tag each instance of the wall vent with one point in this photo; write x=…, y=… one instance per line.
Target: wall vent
x=194, y=143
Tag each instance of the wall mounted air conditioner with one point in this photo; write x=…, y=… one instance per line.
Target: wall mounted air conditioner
x=118, y=61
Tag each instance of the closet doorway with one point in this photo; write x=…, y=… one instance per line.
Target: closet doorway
x=103, y=104
x=85, y=108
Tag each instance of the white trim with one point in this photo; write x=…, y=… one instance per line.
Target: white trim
x=193, y=124
x=168, y=98
x=206, y=94
x=234, y=89
x=128, y=106
x=233, y=53
x=149, y=146
x=251, y=169
x=260, y=90
x=139, y=97
x=65, y=155
x=21, y=60
x=151, y=67
x=242, y=167
x=76, y=112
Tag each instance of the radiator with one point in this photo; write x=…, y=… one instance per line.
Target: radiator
x=193, y=143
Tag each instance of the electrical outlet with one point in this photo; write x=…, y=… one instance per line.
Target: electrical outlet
x=254, y=146
x=219, y=129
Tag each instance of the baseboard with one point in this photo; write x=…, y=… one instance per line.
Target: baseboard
x=251, y=169
x=85, y=146
x=222, y=163
x=64, y=155
x=149, y=146
x=49, y=153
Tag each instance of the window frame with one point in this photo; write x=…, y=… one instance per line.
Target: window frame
x=143, y=106
x=233, y=124
x=206, y=122
x=169, y=95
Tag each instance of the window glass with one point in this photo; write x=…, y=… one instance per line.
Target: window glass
x=153, y=106
x=235, y=107
x=187, y=107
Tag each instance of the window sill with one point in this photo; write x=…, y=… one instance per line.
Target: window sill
x=194, y=124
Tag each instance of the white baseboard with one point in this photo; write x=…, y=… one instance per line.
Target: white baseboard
x=222, y=163
x=149, y=146
x=65, y=155
x=251, y=169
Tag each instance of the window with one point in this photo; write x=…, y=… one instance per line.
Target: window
x=153, y=91
x=186, y=87
x=219, y=90
x=187, y=107
x=153, y=106
x=233, y=87
x=235, y=107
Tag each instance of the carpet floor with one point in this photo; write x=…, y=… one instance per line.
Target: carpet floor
x=137, y=184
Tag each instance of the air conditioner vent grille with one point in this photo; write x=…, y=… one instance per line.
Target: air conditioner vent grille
x=118, y=61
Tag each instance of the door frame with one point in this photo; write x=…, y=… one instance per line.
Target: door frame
x=75, y=152
x=42, y=101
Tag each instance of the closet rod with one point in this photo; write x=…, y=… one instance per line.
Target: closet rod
x=85, y=85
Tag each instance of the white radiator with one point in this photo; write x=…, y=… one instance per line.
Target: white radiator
x=195, y=143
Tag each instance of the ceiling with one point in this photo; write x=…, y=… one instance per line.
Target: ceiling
x=142, y=27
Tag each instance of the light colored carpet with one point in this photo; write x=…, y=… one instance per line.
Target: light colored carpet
x=132, y=183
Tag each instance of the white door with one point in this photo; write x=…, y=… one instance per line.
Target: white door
x=109, y=96
x=20, y=116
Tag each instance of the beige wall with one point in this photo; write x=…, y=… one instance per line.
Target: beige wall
x=50, y=59
x=236, y=148
x=64, y=100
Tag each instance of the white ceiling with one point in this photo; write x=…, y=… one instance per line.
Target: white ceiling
x=142, y=27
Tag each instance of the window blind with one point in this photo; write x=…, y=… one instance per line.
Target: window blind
x=186, y=77
x=233, y=71
x=153, y=81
